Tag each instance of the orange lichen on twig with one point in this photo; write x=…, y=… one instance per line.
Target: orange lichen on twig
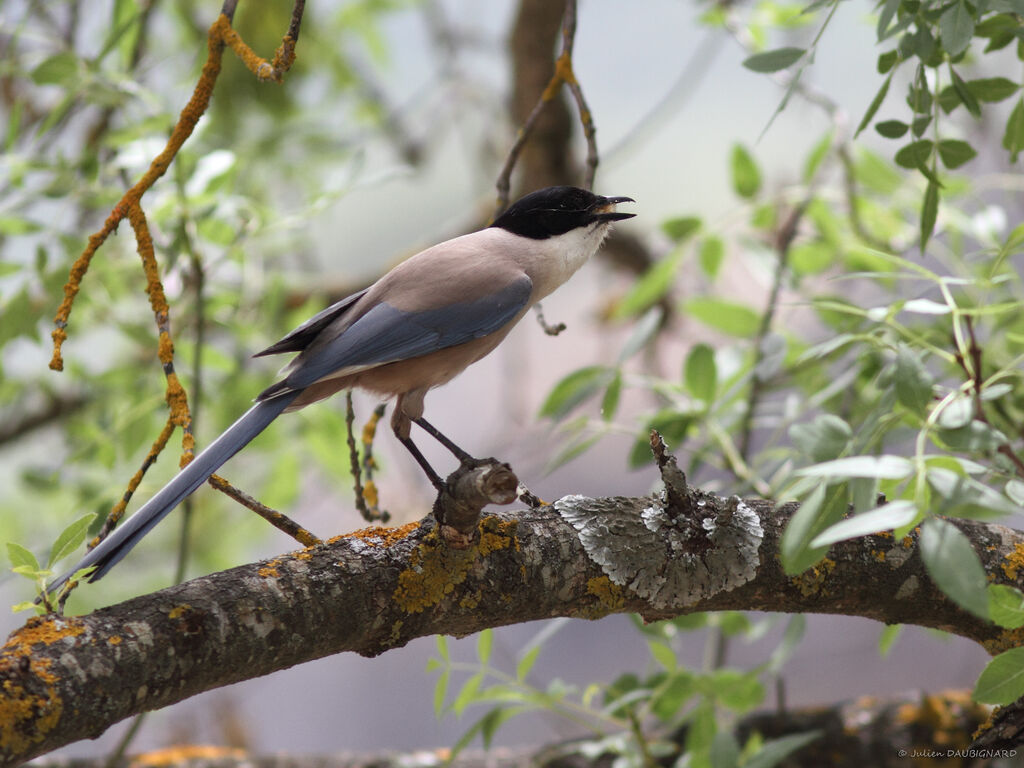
x=129, y=206
x=182, y=130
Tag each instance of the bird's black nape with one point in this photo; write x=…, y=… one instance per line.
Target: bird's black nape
x=554, y=211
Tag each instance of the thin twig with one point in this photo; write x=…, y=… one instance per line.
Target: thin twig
x=783, y=240
x=278, y=520
x=974, y=374
x=563, y=74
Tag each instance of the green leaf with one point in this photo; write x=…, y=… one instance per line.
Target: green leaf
x=992, y=89
x=875, y=104
x=643, y=330
x=886, y=467
x=678, y=688
x=914, y=155
x=774, y=751
x=822, y=439
x=929, y=212
x=824, y=506
x=662, y=654
x=965, y=93
x=816, y=155
x=526, y=662
x=1013, y=137
x=887, y=638
x=956, y=26
x=467, y=694
x=442, y=647
x=892, y=129
x=70, y=539
x=650, y=288
x=724, y=752
x=576, y=388
x=440, y=692
x=912, y=380
x=812, y=257
x=711, y=255
x=955, y=153
x=1014, y=489
x=700, y=373
x=773, y=61
x=885, y=17
x=21, y=557
x=17, y=225
x=681, y=227
x=610, y=401
x=1006, y=605
x=954, y=566
x=59, y=69
x=746, y=176
x=739, y=691
x=729, y=317
x=887, y=61
x=1002, y=680
x=895, y=514
x=484, y=644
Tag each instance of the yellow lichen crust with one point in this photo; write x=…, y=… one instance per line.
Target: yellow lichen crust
x=435, y=569
x=1004, y=641
x=609, y=598
x=26, y=718
x=810, y=582
x=496, y=534
x=182, y=753
x=178, y=611
x=1014, y=562
x=269, y=571
x=378, y=535
x=942, y=716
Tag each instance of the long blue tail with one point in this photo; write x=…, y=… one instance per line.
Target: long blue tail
x=110, y=551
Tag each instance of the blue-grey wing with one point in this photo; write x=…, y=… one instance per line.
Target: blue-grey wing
x=301, y=337
x=386, y=334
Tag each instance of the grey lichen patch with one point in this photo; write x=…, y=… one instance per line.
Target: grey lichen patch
x=668, y=561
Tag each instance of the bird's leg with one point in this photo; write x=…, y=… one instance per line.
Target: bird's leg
x=459, y=454
x=434, y=478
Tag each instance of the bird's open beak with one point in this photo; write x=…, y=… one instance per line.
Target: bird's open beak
x=605, y=209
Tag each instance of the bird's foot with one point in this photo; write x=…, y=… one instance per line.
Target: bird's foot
x=466, y=491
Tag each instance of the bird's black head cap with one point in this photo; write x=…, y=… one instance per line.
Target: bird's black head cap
x=554, y=211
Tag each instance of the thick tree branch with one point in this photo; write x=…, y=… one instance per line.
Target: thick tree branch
x=64, y=679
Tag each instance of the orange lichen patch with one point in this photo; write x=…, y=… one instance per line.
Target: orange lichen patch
x=434, y=571
x=878, y=554
x=178, y=611
x=269, y=571
x=496, y=534
x=1004, y=641
x=811, y=581
x=179, y=754
x=378, y=535
x=26, y=718
x=1014, y=562
x=907, y=542
x=370, y=494
x=114, y=640
x=435, y=568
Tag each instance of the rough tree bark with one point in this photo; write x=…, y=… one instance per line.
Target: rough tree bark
x=69, y=678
